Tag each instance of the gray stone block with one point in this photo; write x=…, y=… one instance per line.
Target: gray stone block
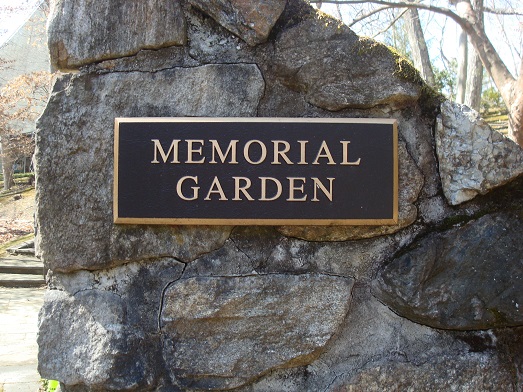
x=82, y=32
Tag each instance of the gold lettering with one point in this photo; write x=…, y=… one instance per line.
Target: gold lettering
x=281, y=153
x=191, y=150
x=219, y=190
x=194, y=188
x=326, y=154
x=318, y=185
x=246, y=153
x=158, y=148
x=293, y=188
x=230, y=149
x=263, y=196
x=243, y=189
x=303, y=160
x=345, y=144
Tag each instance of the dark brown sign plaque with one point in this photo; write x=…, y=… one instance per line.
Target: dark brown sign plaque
x=256, y=171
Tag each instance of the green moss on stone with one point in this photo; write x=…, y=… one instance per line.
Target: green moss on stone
x=430, y=99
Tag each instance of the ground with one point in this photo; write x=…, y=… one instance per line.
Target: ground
x=16, y=215
x=497, y=118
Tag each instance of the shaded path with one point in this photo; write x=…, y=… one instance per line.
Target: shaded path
x=19, y=309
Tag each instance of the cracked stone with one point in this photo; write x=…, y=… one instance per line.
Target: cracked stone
x=222, y=332
x=252, y=21
x=334, y=68
x=75, y=134
x=466, y=278
x=381, y=346
x=100, y=328
x=470, y=154
x=227, y=260
x=92, y=317
x=255, y=242
x=84, y=31
x=357, y=259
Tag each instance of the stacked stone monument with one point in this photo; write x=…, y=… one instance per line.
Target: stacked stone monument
x=434, y=302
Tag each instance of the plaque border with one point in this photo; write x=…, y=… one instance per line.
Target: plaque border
x=257, y=222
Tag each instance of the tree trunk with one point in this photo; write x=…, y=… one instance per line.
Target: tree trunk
x=461, y=83
x=474, y=83
x=418, y=45
x=515, y=116
x=491, y=60
x=511, y=90
x=7, y=171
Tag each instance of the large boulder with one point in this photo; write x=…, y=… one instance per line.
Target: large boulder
x=75, y=158
x=100, y=329
x=85, y=31
x=469, y=277
x=221, y=332
x=334, y=67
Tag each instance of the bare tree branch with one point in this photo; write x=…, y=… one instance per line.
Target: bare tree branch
x=428, y=7
x=516, y=11
x=390, y=24
x=392, y=4
x=515, y=53
x=368, y=14
x=340, y=16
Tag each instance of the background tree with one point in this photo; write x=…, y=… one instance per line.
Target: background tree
x=418, y=45
x=470, y=68
x=21, y=103
x=445, y=78
x=23, y=87
x=463, y=56
x=474, y=83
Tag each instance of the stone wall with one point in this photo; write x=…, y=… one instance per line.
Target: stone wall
x=432, y=303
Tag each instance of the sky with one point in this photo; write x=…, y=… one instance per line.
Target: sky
x=13, y=14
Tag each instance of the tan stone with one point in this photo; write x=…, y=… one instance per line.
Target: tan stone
x=252, y=21
x=221, y=332
x=86, y=31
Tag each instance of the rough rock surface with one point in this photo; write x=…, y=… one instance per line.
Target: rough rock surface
x=86, y=31
x=473, y=158
x=75, y=137
x=467, y=278
x=441, y=376
x=374, y=341
x=322, y=58
x=221, y=332
x=92, y=320
x=250, y=20
x=259, y=308
x=101, y=328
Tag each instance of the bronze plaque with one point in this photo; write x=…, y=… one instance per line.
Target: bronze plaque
x=256, y=171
